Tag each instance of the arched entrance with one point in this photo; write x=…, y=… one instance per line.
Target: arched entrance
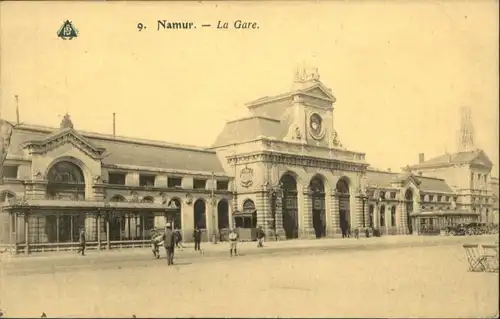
x=223, y=214
x=317, y=188
x=371, y=209
x=65, y=182
x=342, y=188
x=247, y=218
x=290, y=206
x=200, y=215
x=409, y=208
x=175, y=204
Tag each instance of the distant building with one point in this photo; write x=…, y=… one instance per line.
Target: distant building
x=283, y=167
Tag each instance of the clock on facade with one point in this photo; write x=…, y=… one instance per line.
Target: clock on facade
x=316, y=126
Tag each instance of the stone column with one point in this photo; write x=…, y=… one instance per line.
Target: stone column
x=306, y=226
x=359, y=213
x=263, y=212
x=334, y=213
x=403, y=225
x=279, y=218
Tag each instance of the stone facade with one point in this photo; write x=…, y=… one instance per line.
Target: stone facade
x=270, y=159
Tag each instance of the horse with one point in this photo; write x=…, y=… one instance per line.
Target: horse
x=156, y=242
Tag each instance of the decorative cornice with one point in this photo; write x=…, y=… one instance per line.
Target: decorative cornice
x=297, y=160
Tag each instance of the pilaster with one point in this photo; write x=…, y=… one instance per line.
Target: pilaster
x=36, y=189
x=263, y=212
x=279, y=218
x=403, y=226
x=98, y=192
x=334, y=213
x=306, y=226
x=359, y=213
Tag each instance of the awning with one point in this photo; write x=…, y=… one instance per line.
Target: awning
x=45, y=204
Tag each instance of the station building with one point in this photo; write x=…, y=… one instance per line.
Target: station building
x=282, y=168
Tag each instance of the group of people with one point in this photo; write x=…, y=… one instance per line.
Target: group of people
x=172, y=239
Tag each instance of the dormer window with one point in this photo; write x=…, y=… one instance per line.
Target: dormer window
x=174, y=182
x=10, y=171
x=146, y=180
x=199, y=183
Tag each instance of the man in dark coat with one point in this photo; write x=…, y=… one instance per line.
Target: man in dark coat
x=260, y=236
x=169, y=243
x=197, y=238
x=81, y=241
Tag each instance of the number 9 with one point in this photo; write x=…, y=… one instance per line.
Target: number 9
x=140, y=26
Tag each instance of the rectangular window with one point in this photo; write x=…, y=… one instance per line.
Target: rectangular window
x=116, y=178
x=382, y=195
x=174, y=182
x=422, y=198
x=199, y=183
x=10, y=171
x=147, y=180
x=222, y=185
x=393, y=195
x=431, y=198
x=439, y=198
x=447, y=198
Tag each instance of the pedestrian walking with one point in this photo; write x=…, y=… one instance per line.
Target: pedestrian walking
x=260, y=237
x=233, y=242
x=178, y=239
x=169, y=243
x=81, y=241
x=356, y=232
x=197, y=239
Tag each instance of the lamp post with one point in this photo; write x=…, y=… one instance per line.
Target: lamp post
x=213, y=202
x=108, y=216
x=276, y=193
x=363, y=198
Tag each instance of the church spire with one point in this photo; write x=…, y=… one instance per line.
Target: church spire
x=466, y=132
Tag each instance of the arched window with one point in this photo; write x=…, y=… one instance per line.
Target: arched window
x=393, y=216
x=371, y=209
x=382, y=216
x=200, y=219
x=175, y=203
x=66, y=172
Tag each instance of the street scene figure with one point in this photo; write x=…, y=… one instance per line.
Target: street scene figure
x=156, y=242
x=260, y=237
x=197, y=239
x=169, y=243
x=81, y=241
x=178, y=239
x=233, y=242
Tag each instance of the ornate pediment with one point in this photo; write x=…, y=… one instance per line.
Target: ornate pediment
x=65, y=136
x=409, y=178
x=319, y=91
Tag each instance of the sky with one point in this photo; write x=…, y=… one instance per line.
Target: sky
x=400, y=71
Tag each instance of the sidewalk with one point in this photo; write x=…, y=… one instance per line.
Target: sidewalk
x=269, y=247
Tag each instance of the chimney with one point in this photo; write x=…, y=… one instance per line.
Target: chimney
x=421, y=158
x=114, y=124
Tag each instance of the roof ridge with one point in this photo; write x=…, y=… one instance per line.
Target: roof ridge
x=110, y=137
x=252, y=117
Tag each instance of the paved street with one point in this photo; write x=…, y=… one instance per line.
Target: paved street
x=389, y=276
